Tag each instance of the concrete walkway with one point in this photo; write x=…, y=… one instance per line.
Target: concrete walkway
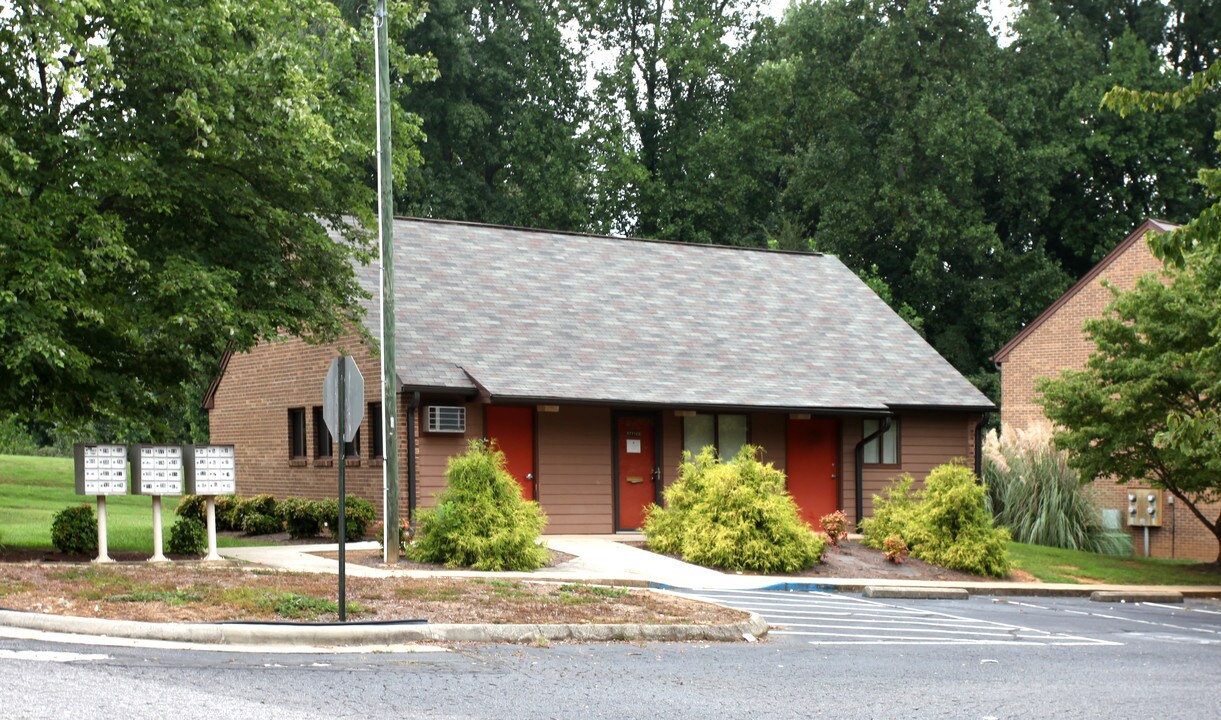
x=608, y=559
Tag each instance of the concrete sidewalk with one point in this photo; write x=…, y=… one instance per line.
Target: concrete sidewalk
x=607, y=559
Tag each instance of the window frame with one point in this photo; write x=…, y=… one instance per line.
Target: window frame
x=716, y=431
x=297, y=431
x=321, y=433
x=376, y=452
x=879, y=443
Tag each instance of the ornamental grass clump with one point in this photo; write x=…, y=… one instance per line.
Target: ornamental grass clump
x=734, y=515
x=481, y=520
x=1034, y=492
x=947, y=523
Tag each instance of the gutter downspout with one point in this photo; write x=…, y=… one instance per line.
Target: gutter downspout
x=979, y=448
x=859, y=454
x=411, y=426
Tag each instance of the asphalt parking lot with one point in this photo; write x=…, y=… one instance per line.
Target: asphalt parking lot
x=824, y=618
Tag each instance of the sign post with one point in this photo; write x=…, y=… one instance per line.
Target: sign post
x=343, y=400
x=101, y=470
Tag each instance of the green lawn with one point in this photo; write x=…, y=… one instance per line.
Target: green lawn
x=1073, y=566
x=33, y=489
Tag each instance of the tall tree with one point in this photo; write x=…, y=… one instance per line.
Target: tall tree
x=659, y=99
x=503, y=120
x=904, y=163
x=164, y=170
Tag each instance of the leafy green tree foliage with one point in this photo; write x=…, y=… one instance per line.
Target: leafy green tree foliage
x=503, y=119
x=668, y=151
x=735, y=515
x=164, y=168
x=481, y=520
x=1101, y=175
x=904, y=168
x=1147, y=407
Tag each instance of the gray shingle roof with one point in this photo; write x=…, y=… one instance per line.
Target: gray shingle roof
x=540, y=315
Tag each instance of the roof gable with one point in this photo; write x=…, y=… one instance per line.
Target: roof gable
x=1148, y=226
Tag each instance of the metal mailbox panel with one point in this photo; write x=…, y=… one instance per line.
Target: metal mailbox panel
x=100, y=469
x=156, y=469
x=210, y=469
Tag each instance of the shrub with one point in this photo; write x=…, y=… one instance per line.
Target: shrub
x=260, y=524
x=891, y=513
x=835, y=526
x=302, y=518
x=188, y=537
x=226, y=512
x=74, y=530
x=735, y=515
x=481, y=520
x=244, y=508
x=895, y=549
x=358, y=515
x=192, y=506
x=947, y=524
x=1032, y=491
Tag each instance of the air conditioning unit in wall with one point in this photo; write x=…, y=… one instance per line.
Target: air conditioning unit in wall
x=446, y=419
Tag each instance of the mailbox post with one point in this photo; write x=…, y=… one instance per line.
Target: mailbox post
x=211, y=470
x=101, y=470
x=156, y=471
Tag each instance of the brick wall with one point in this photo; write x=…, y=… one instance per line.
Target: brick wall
x=1058, y=343
x=251, y=412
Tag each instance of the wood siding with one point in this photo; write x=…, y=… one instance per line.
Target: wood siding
x=926, y=440
x=575, y=471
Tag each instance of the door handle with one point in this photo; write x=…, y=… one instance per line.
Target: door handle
x=530, y=476
x=656, y=474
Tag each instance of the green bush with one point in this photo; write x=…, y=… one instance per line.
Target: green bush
x=302, y=518
x=244, y=508
x=735, y=515
x=188, y=537
x=1032, y=491
x=74, y=530
x=481, y=520
x=192, y=506
x=358, y=515
x=946, y=524
x=259, y=524
x=226, y=512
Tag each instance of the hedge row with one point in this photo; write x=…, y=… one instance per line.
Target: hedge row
x=263, y=515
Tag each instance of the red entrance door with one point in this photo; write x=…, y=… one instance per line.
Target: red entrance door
x=637, y=460
x=811, y=465
x=513, y=430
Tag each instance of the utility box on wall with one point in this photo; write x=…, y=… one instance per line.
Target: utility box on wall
x=1144, y=507
x=210, y=469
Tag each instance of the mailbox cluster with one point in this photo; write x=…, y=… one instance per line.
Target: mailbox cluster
x=208, y=470
x=101, y=469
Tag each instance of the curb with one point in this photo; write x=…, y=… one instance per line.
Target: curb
x=364, y=635
x=1136, y=596
x=917, y=593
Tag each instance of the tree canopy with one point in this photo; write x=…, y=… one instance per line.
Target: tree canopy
x=1147, y=408
x=164, y=170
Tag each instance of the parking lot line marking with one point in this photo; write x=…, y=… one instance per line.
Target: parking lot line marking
x=925, y=623
x=1181, y=608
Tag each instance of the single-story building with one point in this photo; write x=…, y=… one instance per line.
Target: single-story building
x=1055, y=341
x=595, y=362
